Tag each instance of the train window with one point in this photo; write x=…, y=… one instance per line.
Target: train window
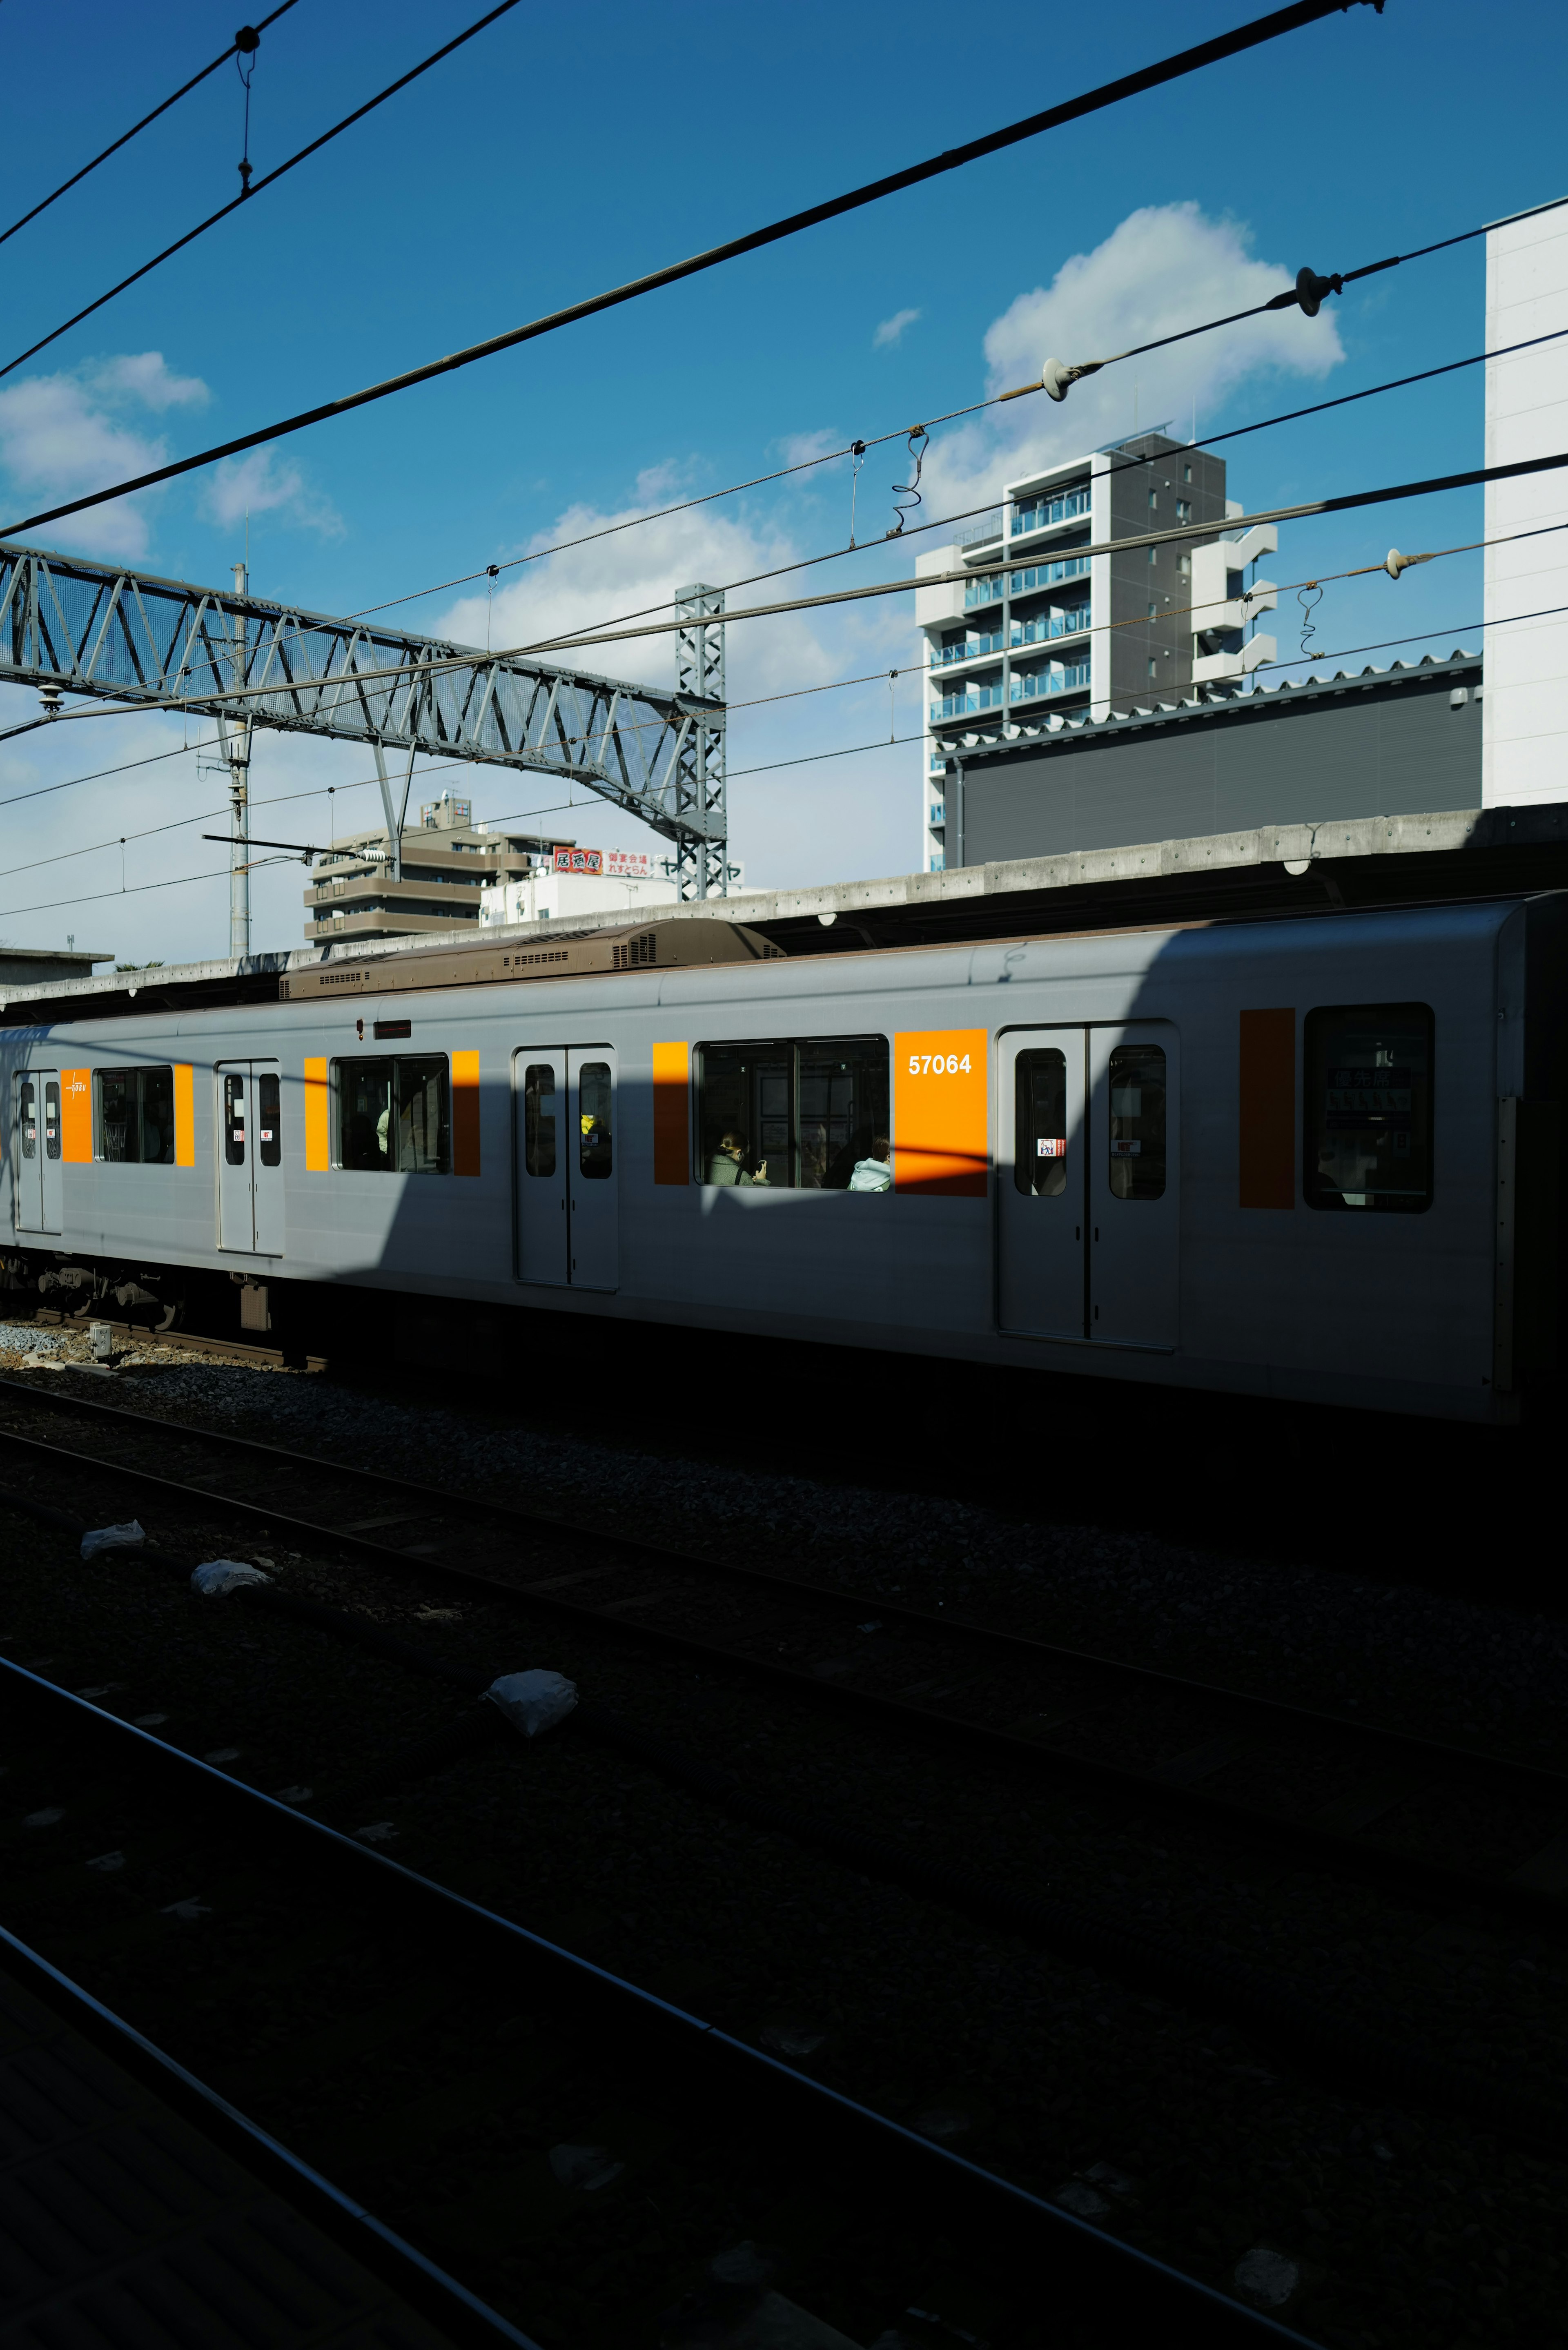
x=1367, y=1130
x=234, y=1118
x=135, y=1116
x=1040, y=1139
x=364, y=1115
x=27, y=1116
x=791, y=1116
x=51, y=1118
x=594, y=1141
x=539, y=1118
x=1137, y=1154
x=423, y=1117
x=394, y=1116
x=269, y=1127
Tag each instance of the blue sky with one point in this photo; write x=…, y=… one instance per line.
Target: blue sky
x=562, y=151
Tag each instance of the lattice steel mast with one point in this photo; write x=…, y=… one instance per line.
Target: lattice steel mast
x=85, y=628
x=699, y=783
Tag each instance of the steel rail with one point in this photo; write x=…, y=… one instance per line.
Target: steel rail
x=761, y=2083
x=1539, y=1777
x=411, y=2274
x=1383, y=1864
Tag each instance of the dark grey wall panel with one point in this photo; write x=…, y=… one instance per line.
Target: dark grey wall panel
x=1395, y=750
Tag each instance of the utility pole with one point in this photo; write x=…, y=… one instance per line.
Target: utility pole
x=235, y=734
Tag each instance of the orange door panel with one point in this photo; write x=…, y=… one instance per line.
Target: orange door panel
x=941, y=1122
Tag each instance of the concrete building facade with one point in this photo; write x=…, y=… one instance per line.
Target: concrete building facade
x=1525, y=754
x=447, y=864
x=1037, y=629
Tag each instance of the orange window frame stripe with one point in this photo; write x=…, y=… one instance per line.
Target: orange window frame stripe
x=941, y=1119
x=318, y=1120
x=672, y=1113
x=184, y=1114
x=76, y=1116
x=465, y=1113
x=1266, y=1109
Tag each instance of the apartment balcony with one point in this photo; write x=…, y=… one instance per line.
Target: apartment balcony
x=1062, y=677
x=974, y=649
x=982, y=591
x=1046, y=575
x=385, y=922
x=1045, y=513
x=1041, y=631
x=964, y=705
x=982, y=530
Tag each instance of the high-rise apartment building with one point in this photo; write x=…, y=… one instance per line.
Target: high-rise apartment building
x=1037, y=627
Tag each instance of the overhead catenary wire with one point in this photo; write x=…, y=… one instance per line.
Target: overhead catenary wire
x=1348, y=502
x=944, y=522
x=1245, y=37
x=772, y=767
x=252, y=188
x=856, y=449
x=137, y=128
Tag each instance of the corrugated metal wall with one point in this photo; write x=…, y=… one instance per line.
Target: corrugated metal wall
x=1382, y=749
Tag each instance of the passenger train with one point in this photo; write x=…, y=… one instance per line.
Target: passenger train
x=1310, y=1158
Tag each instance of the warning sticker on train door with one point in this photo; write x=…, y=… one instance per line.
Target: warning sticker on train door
x=940, y=1127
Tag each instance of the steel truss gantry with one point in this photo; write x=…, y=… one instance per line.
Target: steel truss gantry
x=95, y=628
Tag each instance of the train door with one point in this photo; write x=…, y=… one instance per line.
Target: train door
x=37, y=1158
x=1089, y=1220
x=591, y=1187
x=1041, y=1204
x=567, y=1217
x=250, y=1158
x=1133, y=1169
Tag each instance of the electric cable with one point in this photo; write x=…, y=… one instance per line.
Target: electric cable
x=125, y=137
x=1348, y=502
x=944, y=522
x=250, y=189
x=98, y=774
x=770, y=768
x=1252, y=36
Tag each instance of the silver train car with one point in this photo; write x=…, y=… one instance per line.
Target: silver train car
x=1310, y=1158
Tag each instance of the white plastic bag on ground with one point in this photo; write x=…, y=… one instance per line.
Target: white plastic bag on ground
x=125, y=1538
x=532, y=1701
x=221, y=1575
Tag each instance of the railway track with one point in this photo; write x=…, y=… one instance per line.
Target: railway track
x=1412, y=1815
x=602, y=2166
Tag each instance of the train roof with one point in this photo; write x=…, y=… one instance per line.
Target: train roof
x=1358, y=864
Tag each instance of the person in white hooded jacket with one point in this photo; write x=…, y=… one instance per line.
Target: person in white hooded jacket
x=874, y=1174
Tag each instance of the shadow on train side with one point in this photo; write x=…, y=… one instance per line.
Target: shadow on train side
x=1264, y=1157
x=1256, y=1156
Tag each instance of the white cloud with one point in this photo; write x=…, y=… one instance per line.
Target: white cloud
x=612, y=580
x=1164, y=267
x=809, y=448
x=262, y=484
x=891, y=329
x=143, y=376
x=75, y=431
